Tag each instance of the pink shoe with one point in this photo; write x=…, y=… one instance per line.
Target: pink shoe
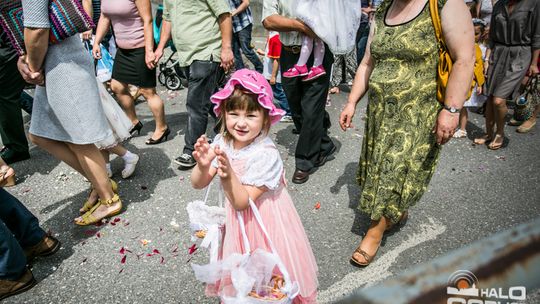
x=314, y=73
x=295, y=71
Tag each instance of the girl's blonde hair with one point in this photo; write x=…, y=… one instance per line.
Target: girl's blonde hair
x=246, y=101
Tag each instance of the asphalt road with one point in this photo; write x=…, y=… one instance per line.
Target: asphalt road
x=475, y=192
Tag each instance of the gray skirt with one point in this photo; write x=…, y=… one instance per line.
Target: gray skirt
x=68, y=108
x=507, y=67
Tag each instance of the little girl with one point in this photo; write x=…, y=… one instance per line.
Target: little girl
x=476, y=99
x=334, y=22
x=249, y=167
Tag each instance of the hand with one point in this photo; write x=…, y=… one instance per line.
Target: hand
x=260, y=52
x=150, y=59
x=445, y=126
x=203, y=153
x=272, y=80
x=96, y=51
x=227, y=58
x=346, y=116
x=224, y=166
x=87, y=35
x=5, y=172
x=533, y=70
x=158, y=53
x=479, y=90
x=306, y=30
x=36, y=78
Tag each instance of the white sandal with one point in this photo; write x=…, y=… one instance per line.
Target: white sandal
x=460, y=134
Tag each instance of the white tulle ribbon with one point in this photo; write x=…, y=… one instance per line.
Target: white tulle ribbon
x=211, y=240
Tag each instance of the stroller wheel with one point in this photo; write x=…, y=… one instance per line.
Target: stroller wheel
x=161, y=78
x=172, y=82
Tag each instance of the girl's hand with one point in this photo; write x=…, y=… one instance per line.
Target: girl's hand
x=479, y=90
x=203, y=153
x=346, y=116
x=224, y=166
x=533, y=70
x=96, y=51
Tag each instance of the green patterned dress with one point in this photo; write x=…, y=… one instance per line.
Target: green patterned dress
x=399, y=151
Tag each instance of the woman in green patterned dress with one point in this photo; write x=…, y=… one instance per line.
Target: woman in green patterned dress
x=405, y=124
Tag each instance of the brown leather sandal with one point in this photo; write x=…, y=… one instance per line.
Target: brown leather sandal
x=369, y=258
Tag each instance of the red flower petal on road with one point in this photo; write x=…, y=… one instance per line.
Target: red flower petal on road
x=155, y=251
x=121, y=270
x=318, y=205
x=192, y=249
x=149, y=254
x=122, y=250
x=123, y=260
x=113, y=223
x=98, y=235
x=162, y=260
x=116, y=220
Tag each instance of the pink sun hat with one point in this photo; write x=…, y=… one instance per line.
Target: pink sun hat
x=255, y=83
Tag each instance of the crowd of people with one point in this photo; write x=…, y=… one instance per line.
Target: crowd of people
x=494, y=46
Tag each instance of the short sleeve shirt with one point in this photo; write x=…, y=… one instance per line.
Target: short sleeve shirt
x=195, y=28
x=273, y=52
x=283, y=8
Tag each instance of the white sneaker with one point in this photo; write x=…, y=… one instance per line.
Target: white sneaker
x=460, y=134
x=129, y=166
x=109, y=170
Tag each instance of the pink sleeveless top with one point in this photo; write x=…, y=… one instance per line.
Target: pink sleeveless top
x=126, y=22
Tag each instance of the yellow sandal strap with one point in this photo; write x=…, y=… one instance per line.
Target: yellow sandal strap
x=111, y=201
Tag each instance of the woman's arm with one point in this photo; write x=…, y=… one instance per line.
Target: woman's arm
x=87, y=5
x=145, y=11
x=37, y=44
x=102, y=28
x=458, y=33
x=360, y=84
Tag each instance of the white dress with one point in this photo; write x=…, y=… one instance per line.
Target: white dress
x=334, y=21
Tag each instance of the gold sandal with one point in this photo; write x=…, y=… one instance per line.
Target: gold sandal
x=88, y=218
x=88, y=204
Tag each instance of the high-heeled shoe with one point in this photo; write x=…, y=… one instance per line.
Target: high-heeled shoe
x=163, y=138
x=136, y=128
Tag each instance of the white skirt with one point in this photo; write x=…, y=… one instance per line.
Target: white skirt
x=475, y=100
x=334, y=21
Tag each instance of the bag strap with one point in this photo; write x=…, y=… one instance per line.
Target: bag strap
x=288, y=284
x=436, y=20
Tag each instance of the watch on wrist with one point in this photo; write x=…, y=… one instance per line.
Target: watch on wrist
x=452, y=110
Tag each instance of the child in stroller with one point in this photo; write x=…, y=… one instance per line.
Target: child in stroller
x=170, y=74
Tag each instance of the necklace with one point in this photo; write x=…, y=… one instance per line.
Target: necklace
x=406, y=11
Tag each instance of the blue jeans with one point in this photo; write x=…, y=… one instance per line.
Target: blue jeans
x=19, y=229
x=280, y=96
x=242, y=41
x=363, y=34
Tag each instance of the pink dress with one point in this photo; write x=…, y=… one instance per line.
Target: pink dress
x=260, y=164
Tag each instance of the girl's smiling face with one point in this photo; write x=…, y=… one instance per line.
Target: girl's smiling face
x=244, y=126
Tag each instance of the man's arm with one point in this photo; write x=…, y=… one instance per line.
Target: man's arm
x=280, y=23
x=225, y=26
x=164, y=37
x=275, y=69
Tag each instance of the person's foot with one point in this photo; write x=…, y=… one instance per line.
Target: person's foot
x=527, y=126
x=47, y=246
x=286, y=118
x=296, y=71
x=366, y=251
x=482, y=140
x=300, y=177
x=10, y=156
x=90, y=201
x=10, y=288
x=103, y=209
x=130, y=163
x=314, y=73
x=497, y=142
x=324, y=157
x=334, y=90
x=514, y=122
x=186, y=161
x=460, y=133
x=158, y=137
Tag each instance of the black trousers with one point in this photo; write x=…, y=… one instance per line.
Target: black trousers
x=11, y=120
x=307, y=101
x=204, y=78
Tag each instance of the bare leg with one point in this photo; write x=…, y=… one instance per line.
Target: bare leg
x=121, y=90
x=463, y=117
x=59, y=150
x=490, y=122
x=500, y=111
x=158, y=110
x=118, y=150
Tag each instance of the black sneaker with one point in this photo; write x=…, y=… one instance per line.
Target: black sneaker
x=185, y=161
